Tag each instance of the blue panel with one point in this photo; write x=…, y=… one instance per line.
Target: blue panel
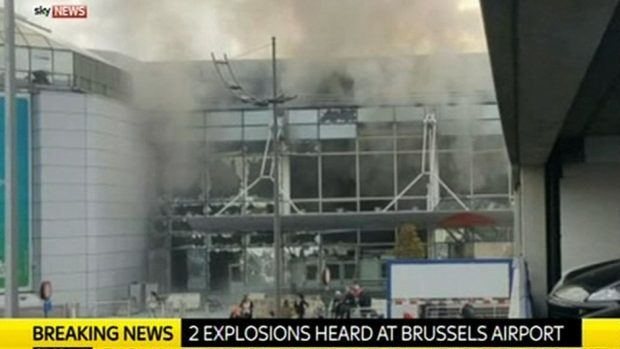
x=23, y=187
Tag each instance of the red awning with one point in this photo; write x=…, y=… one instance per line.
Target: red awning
x=466, y=220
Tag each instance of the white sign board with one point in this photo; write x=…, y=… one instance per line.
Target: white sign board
x=449, y=279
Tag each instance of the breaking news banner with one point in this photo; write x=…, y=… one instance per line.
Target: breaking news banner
x=178, y=333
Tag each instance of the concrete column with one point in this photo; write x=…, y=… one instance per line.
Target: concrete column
x=532, y=238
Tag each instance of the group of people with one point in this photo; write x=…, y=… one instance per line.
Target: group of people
x=245, y=309
x=343, y=305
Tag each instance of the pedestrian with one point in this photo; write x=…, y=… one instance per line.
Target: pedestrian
x=287, y=310
x=235, y=312
x=349, y=303
x=247, y=307
x=334, y=306
x=468, y=312
x=300, y=306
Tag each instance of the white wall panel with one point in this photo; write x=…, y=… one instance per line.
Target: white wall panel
x=60, y=156
x=590, y=214
x=60, y=174
x=59, y=139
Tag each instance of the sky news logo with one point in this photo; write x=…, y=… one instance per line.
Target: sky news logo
x=62, y=11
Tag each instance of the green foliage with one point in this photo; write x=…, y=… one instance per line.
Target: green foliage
x=409, y=245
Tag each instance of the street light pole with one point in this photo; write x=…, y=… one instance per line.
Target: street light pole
x=277, y=229
x=11, y=266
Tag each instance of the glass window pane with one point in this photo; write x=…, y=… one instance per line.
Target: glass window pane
x=259, y=117
x=337, y=131
x=410, y=143
x=41, y=60
x=302, y=116
x=376, y=144
x=338, y=145
x=410, y=128
x=488, y=127
x=375, y=205
x=302, y=132
x=259, y=133
x=304, y=177
x=489, y=142
x=409, y=113
x=338, y=176
x=302, y=147
x=22, y=59
x=349, y=271
x=489, y=112
x=338, y=116
x=223, y=134
x=311, y=272
x=409, y=167
x=376, y=115
x=334, y=271
x=455, y=171
x=63, y=62
x=377, y=236
x=375, y=128
x=377, y=175
x=36, y=40
x=224, y=119
x=491, y=173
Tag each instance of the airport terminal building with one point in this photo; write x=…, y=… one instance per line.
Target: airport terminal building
x=367, y=162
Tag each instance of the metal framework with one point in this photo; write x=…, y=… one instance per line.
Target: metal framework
x=265, y=174
x=430, y=170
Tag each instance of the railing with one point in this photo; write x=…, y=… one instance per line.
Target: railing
x=121, y=308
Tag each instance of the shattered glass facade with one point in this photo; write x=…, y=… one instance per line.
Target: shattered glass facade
x=344, y=159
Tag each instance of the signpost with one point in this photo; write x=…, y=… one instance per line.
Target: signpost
x=45, y=293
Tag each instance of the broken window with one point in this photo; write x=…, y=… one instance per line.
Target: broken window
x=385, y=236
x=376, y=144
x=374, y=205
x=340, y=206
x=375, y=129
x=304, y=176
x=337, y=145
x=349, y=271
x=224, y=177
x=455, y=170
x=491, y=173
x=338, y=116
x=376, y=175
x=409, y=167
x=338, y=176
x=334, y=271
x=301, y=116
x=312, y=272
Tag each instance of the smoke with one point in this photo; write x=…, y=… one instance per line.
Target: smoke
x=369, y=51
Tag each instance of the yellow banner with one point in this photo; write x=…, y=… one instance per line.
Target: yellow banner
x=91, y=333
x=166, y=333
x=600, y=333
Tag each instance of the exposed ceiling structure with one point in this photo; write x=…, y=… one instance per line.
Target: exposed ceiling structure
x=556, y=71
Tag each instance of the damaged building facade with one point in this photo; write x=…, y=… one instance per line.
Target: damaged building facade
x=116, y=198
x=359, y=173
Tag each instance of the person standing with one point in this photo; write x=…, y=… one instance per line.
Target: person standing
x=300, y=306
x=287, y=310
x=247, y=307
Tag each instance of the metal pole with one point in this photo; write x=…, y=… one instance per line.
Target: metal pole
x=11, y=266
x=277, y=233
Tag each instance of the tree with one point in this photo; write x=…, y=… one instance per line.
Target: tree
x=408, y=243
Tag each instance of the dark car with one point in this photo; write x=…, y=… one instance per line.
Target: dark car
x=589, y=291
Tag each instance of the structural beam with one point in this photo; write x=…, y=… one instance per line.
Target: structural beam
x=334, y=221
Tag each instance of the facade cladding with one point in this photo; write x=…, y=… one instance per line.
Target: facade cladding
x=113, y=200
